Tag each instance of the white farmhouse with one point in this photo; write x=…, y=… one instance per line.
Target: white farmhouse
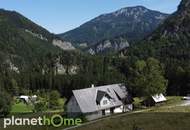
x=96, y=102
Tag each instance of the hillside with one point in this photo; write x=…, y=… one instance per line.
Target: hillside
x=142, y=121
x=33, y=59
x=170, y=43
x=177, y=25
x=170, y=40
x=23, y=40
x=134, y=22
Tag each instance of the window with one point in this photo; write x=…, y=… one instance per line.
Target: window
x=105, y=102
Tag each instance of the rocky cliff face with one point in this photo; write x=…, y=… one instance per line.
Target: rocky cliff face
x=63, y=44
x=107, y=46
x=177, y=25
x=185, y=4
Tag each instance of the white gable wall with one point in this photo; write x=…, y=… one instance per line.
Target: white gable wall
x=105, y=102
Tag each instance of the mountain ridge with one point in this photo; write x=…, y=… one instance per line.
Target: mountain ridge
x=133, y=22
x=170, y=40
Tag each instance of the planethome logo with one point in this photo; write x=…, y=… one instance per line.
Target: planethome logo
x=55, y=120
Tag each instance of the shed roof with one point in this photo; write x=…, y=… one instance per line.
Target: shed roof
x=159, y=98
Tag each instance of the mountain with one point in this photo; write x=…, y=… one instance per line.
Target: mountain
x=134, y=22
x=22, y=39
x=171, y=41
x=177, y=25
x=170, y=44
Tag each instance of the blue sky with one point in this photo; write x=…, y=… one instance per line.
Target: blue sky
x=62, y=15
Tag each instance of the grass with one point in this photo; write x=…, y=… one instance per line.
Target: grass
x=173, y=109
x=171, y=100
x=171, y=105
x=143, y=121
x=29, y=115
x=166, y=116
x=21, y=108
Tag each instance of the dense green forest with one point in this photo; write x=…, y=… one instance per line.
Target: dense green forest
x=174, y=57
x=42, y=73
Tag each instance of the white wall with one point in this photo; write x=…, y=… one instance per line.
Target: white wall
x=118, y=109
x=102, y=102
x=123, y=108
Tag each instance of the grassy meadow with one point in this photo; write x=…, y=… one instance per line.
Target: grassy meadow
x=22, y=110
x=165, y=116
x=143, y=121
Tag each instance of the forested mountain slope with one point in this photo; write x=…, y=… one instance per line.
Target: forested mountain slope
x=21, y=39
x=170, y=43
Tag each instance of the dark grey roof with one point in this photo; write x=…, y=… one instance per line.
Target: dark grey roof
x=86, y=98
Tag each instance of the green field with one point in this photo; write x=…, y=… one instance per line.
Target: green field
x=143, y=121
x=166, y=116
x=21, y=108
x=31, y=115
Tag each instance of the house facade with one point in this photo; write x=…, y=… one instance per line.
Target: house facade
x=96, y=102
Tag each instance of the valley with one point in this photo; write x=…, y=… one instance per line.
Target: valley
x=119, y=59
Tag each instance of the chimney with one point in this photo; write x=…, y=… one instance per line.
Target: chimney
x=92, y=86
